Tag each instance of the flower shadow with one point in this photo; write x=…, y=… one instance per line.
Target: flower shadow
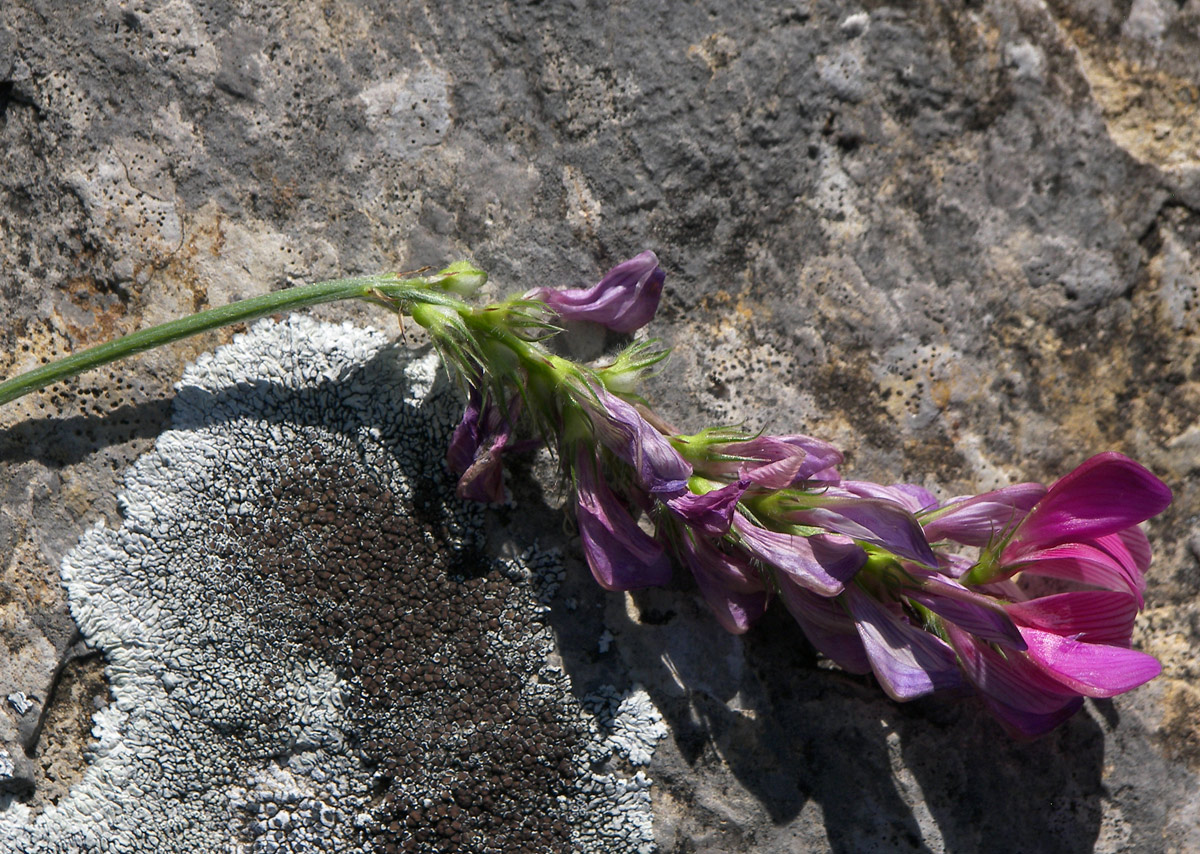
x=800, y=752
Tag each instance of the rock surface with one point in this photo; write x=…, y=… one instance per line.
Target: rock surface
x=958, y=241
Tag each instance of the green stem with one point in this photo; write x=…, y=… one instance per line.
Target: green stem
x=386, y=288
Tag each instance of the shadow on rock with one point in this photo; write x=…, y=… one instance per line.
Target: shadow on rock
x=771, y=750
x=59, y=441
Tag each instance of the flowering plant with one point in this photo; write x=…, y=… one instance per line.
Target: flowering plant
x=883, y=579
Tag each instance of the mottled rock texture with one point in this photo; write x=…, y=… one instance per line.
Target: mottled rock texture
x=958, y=239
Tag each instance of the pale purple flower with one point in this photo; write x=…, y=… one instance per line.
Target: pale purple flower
x=712, y=512
x=658, y=467
x=623, y=300
x=729, y=583
x=978, y=613
x=827, y=624
x=773, y=462
x=908, y=662
x=911, y=497
x=822, y=563
x=981, y=520
x=620, y=554
x=879, y=521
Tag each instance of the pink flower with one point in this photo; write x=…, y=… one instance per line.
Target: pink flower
x=1084, y=529
x=1077, y=646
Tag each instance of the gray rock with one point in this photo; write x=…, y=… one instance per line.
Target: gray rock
x=960, y=242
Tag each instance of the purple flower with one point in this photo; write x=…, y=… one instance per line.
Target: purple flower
x=908, y=662
x=827, y=624
x=624, y=300
x=475, y=448
x=911, y=497
x=879, y=521
x=978, y=613
x=711, y=512
x=773, y=462
x=822, y=563
x=620, y=554
x=730, y=585
x=659, y=468
x=467, y=435
x=982, y=519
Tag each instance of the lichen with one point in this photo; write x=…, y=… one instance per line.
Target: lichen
x=308, y=646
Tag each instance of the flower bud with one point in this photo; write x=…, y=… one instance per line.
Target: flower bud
x=461, y=277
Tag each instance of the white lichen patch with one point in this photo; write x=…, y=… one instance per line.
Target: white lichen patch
x=307, y=646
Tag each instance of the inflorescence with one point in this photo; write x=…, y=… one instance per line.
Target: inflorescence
x=925, y=594
x=883, y=579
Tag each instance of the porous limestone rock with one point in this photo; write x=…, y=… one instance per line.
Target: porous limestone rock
x=957, y=239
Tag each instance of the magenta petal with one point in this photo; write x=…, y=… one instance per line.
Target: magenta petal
x=872, y=520
x=1092, y=616
x=620, y=554
x=1085, y=564
x=1130, y=548
x=907, y=661
x=625, y=299
x=1091, y=669
x=711, y=512
x=827, y=625
x=1023, y=698
x=1104, y=495
x=822, y=564
x=983, y=519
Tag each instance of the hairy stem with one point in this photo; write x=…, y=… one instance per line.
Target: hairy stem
x=386, y=287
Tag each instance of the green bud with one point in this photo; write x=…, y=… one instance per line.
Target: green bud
x=461, y=277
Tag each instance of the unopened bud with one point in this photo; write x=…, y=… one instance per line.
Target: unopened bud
x=461, y=277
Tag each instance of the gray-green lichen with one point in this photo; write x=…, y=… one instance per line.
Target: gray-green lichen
x=308, y=647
